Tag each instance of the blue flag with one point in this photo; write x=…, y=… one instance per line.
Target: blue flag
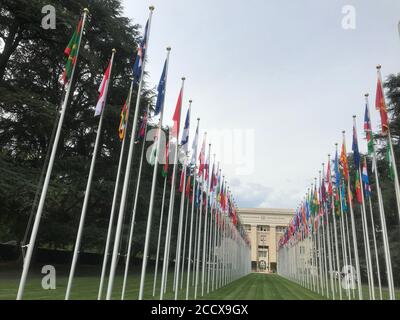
x=161, y=90
x=355, y=149
x=141, y=55
x=337, y=172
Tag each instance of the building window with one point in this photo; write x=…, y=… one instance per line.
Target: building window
x=280, y=229
x=262, y=254
x=247, y=227
x=262, y=228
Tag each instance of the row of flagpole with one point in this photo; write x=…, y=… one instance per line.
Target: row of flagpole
x=212, y=251
x=320, y=248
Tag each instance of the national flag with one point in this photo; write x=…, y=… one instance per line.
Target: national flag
x=329, y=179
x=194, y=145
x=185, y=133
x=358, y=188
x=71, y=52
x=143, y=126
x=103, y=91
x=161, y=90
x=365, y=180
x=356, y=153
x=380, y=105
x=187, y=190
x=177, y=116
x=343, y=162
x=182, y=180
x=141, y=54
x=164, y=169
x=344, y=200
x=337, y=171
x=202, y=156
x=212, y=183
x=390, y=163
x=123, y=121
x=368, y=130
x=206, y=167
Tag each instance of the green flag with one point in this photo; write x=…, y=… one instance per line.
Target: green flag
x=71, y=52
x=389, y=161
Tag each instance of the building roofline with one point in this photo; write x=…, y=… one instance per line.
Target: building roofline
x=266, y=211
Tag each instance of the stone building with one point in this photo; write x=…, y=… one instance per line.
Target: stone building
x=265, y=227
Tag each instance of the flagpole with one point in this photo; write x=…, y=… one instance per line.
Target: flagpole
x=386, y=247
x=87, y=191
x=205, y=226
x=180, y=227
x=336, y=237
x=152, y=196
x=201, y=187
x=38, y=216
x=355, y=247
x=191, y=230
x=171, y=209
x=133, y=218
x=159, y=237
x=365, y=229
x=114, y=202
x=184, y=238
x=118, y=230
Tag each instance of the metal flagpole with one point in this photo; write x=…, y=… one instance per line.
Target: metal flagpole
x=38, y=216
x=378, y=272
x=184, y=240
x=386, y=247
x=201, y=187
x=365, y=229
x=159, y=237
x=336, y=238
x=324, y=243
x=353, y=228
x=180, y=227
x=133, y=217
x=328, y=240
x=114, y=203
x=205, y=226
x=152, y=193
x=118, y=230
x=195, y=239
x=191, y=230
x=87, y=191
x=210, y=247
x=170, y=211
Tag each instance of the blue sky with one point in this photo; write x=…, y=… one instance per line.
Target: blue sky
x=284, y=74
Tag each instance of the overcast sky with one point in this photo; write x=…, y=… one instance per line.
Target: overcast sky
x=283, y=76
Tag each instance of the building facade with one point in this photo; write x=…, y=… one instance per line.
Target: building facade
x=265, y=227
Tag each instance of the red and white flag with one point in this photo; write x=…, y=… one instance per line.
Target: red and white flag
x=103, y=91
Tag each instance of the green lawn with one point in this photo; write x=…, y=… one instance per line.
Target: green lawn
x=251, y=287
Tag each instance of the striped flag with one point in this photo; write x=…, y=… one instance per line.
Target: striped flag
x=365, y=180
x=368, y=130
x=141, y=53
x=123, y=122
x=71, y=52
x=103, y=91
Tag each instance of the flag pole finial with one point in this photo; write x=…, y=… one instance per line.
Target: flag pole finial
x=114, y=50
x=190, y=101
x=366, y=95
x=354, y=116
x=343, y=131
x=198, y=119
x=378, y=66
x=168, y=48
x=86, y=10
x=151, y=8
